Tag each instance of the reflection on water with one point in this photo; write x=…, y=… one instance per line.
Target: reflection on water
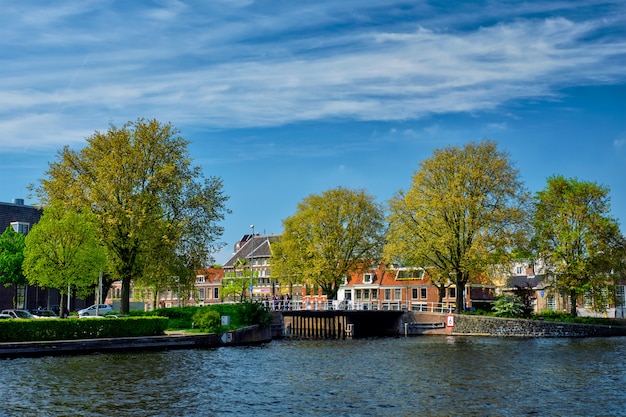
x=432, y=376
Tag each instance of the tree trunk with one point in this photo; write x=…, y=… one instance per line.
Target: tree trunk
x=125, y=301
x=461, y=280
x=62, y=306
x=572, y=306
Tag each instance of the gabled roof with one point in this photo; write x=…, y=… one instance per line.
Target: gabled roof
x=385, y=277
x=212, y=275
x=534, y=281
x=257, y=246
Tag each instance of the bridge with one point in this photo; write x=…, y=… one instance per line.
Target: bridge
x=293, y=321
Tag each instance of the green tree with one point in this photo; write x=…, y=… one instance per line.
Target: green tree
x=62, y=251
x=331, y=235
x=465, y=210
x=155, y=211
x=579, y=243
x=11, y=259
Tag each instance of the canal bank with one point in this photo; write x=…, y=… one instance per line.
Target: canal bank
x=172, y=341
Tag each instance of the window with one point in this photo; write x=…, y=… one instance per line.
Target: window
x=374, y=294
x=387, y=294
x=404, y=273
x=519, y=270
x=551, y=303
x=358, y=294
x=348, y=295
x=397, y=294
x=216, y=292
x=21, y=227
x=366, y=294
x=414, y=293
x=452, y=292
x=620, y=296
x=200, y=279
x=368, y=278
x=423, y=293
x=201, y=293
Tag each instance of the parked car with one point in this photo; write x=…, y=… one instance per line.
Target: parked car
x=45, y=314
x=18, y=314
x=102, y=310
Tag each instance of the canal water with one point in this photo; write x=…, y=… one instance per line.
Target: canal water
x=428, y=376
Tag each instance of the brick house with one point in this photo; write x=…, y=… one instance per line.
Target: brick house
x=396, y=288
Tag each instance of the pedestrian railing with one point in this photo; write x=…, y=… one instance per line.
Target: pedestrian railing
x=318, y=305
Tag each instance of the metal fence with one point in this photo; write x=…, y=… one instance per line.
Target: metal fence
x=291, y=305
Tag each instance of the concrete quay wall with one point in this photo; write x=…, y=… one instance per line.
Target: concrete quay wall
x=245, y=336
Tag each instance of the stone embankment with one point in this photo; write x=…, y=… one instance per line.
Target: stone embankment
x=496, y=326
x=471, y=325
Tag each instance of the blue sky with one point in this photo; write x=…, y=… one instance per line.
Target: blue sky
x=286, y=99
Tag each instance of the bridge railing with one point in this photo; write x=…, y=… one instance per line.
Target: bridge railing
x=297, y=305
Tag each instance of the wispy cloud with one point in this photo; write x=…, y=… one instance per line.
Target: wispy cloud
x=242, y=63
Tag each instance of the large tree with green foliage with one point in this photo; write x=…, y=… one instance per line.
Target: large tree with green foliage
x=465, y=209
x=579, y=242
x=63, y=252
x=156, y=213
x=11, y=258
x=330, y=235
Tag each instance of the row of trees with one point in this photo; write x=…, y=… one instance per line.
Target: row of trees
x=128, y=206
x=466, y=215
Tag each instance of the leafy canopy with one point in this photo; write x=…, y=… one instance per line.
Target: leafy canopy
x=330, y=235
x=156, y=214
x=578, y=241
x=62, y=250
x=465, y=210
x=12, y=246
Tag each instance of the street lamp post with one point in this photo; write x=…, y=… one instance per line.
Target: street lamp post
x=252, y=262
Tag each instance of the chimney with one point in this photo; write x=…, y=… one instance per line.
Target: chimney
x=18, y=201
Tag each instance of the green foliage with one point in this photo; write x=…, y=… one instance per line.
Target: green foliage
x=558, y=316
x=330, y=235
x=75, y=328
x=465, y=210
x=62, y=249
x=207, y=319
x=155, y=212
x=508, y=305
x=242, y=314
x=575, y=236
x=12, y=245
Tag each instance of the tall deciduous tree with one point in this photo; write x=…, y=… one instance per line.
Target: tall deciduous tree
x=154, y=210
x=465, y=209
x=62, y=251
x=576, y=237
x=11, y=258
x=330, y=236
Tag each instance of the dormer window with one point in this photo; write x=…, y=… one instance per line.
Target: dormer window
x=21, y=227
x=368, y=277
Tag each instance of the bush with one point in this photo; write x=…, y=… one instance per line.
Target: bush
x=74, y=328
x=508, y=305
x=243, y=314
x=207, y=319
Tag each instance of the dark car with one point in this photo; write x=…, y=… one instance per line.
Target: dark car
x=45, y=314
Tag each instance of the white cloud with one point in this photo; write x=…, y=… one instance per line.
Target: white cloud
x=235, y=64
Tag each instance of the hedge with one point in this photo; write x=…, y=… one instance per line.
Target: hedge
x=20, y=330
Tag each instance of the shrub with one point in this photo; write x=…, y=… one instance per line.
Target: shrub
x=74, y=328
x=207, y=319
x=508, y=305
